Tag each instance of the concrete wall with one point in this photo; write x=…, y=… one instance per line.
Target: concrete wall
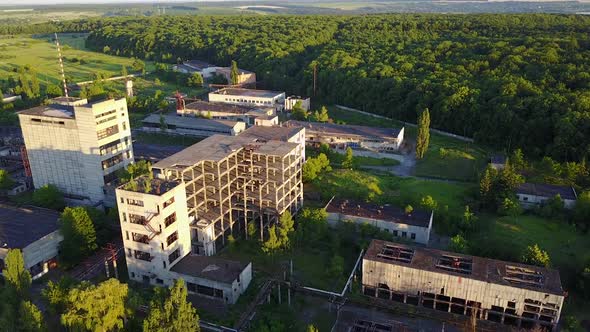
x=422, y=234
x=66, y=152
x=407, y=281
x=157, y=247
x=38, y=254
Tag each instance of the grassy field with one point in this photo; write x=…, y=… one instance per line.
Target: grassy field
x=453, y=159
x=385, y=188
x=40, y=54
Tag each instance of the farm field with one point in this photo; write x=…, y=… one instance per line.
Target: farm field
x=40, y=54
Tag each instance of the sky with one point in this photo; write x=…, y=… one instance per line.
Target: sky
x=21, y=3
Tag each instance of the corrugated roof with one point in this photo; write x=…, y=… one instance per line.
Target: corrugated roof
x=191, y=122
x=247, y=92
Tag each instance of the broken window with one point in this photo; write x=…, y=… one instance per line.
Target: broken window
x=522, y=275
x=394, y=253
x=455, y=264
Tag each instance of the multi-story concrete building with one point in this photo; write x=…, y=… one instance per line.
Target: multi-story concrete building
x=33, y=230
x=251, y=115
x=231, y=181
x=249, y=97
x=199, y=197
x=414, y=226
x=156, y=230
x=77, y=146
x=514, y=294
x=357, y=137
x=192, y=126
x=274, y=133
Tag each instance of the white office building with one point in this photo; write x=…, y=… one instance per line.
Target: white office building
x=77, y=145
x=249, y=97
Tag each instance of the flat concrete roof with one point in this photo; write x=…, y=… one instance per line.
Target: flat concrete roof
x=217, y=147
x=19, y=227
x=385, y=212
x=155, y=186
x=247, y=92
x=483, y=269
x=332, y=129
x=547, y=190
x=191, y=122
x=270, y=133
x=52, y=111
x=210, y=268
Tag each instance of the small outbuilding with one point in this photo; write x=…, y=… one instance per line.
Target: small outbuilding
x=536, y=194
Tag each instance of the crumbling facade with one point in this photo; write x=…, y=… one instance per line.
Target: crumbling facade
x=513, y=294
x=233, y=181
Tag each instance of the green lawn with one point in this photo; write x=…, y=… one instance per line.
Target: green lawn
x=450, y=158
x=385, y=188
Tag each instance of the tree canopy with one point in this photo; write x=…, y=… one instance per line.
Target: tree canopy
x=172, y=314
x=79, y=235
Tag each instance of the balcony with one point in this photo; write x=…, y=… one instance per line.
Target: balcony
x=144, y=256
x=141, y=238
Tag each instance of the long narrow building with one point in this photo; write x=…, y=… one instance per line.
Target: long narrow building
x=513, y=294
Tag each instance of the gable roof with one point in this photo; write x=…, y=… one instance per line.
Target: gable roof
x=19, y=227
x=547, y=190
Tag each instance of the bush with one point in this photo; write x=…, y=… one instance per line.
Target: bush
x=535, y=256
x=49, y=197
x=510, y=207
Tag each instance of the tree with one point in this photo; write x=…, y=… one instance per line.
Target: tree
x=134, y=170
x=96, y=308
x=49, y=197
x=163, y=124
x=408, y=209
x=553, y=207
x=495, y=186
x=124, y=72
x=298, y=112
x=428, y=203
x=581, y=215
x=510, y=207
x=468, y=219
x=172, y=314
x=273, y=244
x=314, y=166
x=15, y=272
x=79, y=235
x=235, y=73
x=285, y=228
x=195, y=80
x=321, y=116
x=6, y=182
x=458, y=244
x=138, y=66
x=423, y=138
x=517, y=160
x=312, y=328
x=535, y=256
x=30, y=318
x=53, y=90
x=348, y=159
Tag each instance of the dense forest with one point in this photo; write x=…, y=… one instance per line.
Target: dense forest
x=508, y=80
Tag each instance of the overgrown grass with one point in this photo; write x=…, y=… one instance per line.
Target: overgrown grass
x=507, y=237
x=450, y=158
x=385, y=188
